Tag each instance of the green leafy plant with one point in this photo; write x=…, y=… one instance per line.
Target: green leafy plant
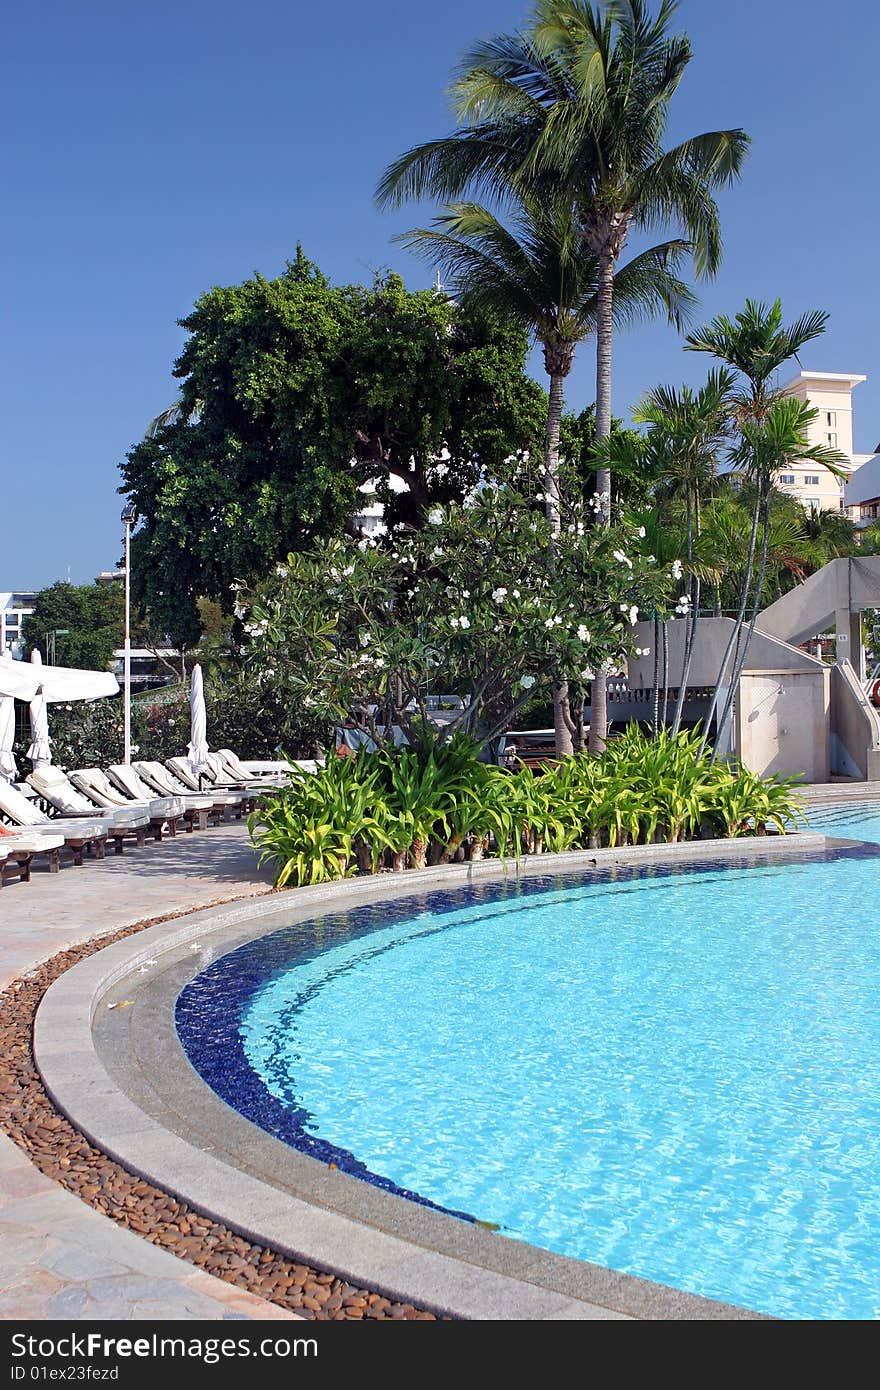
x=431, y=803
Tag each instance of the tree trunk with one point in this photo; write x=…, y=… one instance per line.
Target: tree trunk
x=655, y=713
x=604, y=339
x=740, y=659
x=561, y=729
x=737, y=629
x=693, y=590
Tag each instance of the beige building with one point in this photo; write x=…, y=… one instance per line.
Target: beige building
x=829, y=393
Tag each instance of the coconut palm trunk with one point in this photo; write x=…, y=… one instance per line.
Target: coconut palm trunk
x=743, y=650
x=558, y=363
x=736, y=634
x=607, y=257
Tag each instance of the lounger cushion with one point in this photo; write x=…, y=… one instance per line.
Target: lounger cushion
x=52, y=783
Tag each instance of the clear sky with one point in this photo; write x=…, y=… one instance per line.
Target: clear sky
x=154, y=148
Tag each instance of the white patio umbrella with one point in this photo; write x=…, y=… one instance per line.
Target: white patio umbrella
x=8, y=770
x=198, y=715
x=40, y=751
x=61, y=684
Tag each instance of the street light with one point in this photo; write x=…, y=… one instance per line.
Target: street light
x=129, y=517
x=53, y=633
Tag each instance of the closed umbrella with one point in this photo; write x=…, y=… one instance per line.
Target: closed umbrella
x=198, y=715
x=40, y=751
x=8, y=770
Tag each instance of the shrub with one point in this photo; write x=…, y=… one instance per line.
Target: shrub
x=253, y=719
x=421, y=805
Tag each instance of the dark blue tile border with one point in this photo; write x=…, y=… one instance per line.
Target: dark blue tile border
x=209, y=1009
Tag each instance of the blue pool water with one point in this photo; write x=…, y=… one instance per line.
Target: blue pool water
x=675, y=1074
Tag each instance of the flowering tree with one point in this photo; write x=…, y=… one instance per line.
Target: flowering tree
x=486, y=601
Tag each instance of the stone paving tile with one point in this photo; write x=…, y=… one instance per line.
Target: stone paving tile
x=58, y=1257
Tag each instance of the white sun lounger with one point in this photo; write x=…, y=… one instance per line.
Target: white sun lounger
x=164, y=812
x=127, y=779
x=78, y=834
x=182, y=769
x=164, y=782
x=17, y=851
x=54, y=787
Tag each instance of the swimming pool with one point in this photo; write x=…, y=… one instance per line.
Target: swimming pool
x=672, y=1073
x=853, y=820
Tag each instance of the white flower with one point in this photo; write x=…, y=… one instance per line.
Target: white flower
x=548, y=623
x=622, y=559
x=281, y=571
x=584, y=633
x=435, y=516
x=435, y=553
x=465, y=593
x=239, y=610
x=527, y=682
x=464, y=623
x=634, y=615
x=677, y=569
x=515, y=593
x=642, y=533
x=364, y=639
x=499, y=595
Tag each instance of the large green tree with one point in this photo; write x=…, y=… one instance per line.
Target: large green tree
x=293, y=393
x=535, y=268
x=578, y=106
x=87, y=622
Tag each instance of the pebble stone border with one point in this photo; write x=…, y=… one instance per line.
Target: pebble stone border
x=59, y=1151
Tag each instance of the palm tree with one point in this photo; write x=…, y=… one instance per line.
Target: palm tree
x=577, y=108
x=686, y=431
x=537, y=271
x=772, y=436
x=832, y=533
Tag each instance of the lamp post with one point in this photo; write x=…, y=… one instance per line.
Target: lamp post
x=129, y=517
x=50, y=646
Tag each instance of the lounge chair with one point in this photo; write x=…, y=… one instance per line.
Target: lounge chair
x=77, y=833
x=95, y=785
x=219, y=776
x=164, y=782
x=196, y=809
x=53, y=786
x=207, y=784
x=17, y=851
x=262, y=773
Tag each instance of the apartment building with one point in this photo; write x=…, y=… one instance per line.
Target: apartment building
x=15, y=605
x=863, y=493
x=830, y=394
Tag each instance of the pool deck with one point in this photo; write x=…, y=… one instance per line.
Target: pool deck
x=59, y=1258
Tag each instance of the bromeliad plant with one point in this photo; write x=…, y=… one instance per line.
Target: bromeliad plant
x=411, y=807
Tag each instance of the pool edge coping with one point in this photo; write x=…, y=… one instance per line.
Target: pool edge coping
x=539, y=1283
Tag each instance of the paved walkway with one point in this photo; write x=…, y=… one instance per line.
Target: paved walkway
x=59, y=1258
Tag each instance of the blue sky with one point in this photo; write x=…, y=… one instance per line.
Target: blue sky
x=155, y=149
